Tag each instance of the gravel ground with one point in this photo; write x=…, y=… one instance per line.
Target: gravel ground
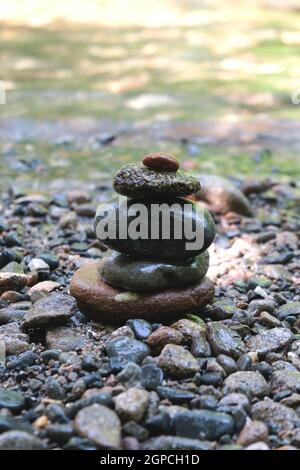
x=226, y=379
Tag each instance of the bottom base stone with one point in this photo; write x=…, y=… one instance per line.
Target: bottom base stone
x=104, y=303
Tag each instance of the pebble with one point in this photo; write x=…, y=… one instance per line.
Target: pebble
x=247, y=382
x=177, y=362
x=152, y=376
x=124, y=272
x=189, y=329
x=20, y=440
x=141, y=328
x=14, y=340
x=65, y=339
x=130, y=375
x=200, y=346
x=223, y=196
x=55, y=309
x=170, y=248
x=175, y=395
x=8, y=315
x=25, y=359
x=129, y=349
x=136, y=180
x=136, y=430
x=253, y=431
x=172, y=443
x=227, y=363
x=291, y=308
x=42, y=289
x=12, y=282
x=54, y=390
x=100, y=425
x=161, y=161
x=270, y=340
x=132, y=404
x=162, y=336
x=223, y=340
x=203, y=424
x=285, y=380
x=276, y=416
x=12, y=400
x=37, y=264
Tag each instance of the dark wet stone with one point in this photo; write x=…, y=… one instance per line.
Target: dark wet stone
x=200, y=346
x=12, y=400
x=175, y=395
x=159, y=424
x=227, y=363
x=171, y=248
x=51, y=259
x=8, y=315
x=129, y=349
x=125, y=272
x=130, y=375
x=20, y=440
x=175, y=443
x=79, y=443
x=141, y=328
x=50, y=354
x=23, y=360
x=205, y=424
x=54, y=390
x=223, y=340
x=138, y=181
x=59, y=433
x=291, y=308
x=152, y=376
x=136, y=430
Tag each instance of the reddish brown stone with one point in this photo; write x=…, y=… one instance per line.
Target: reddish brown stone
x=104, y=303
x=161, y=161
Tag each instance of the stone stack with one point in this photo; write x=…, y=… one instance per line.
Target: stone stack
x=152, y=277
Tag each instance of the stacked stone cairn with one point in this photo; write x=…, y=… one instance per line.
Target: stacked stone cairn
x=151, y=277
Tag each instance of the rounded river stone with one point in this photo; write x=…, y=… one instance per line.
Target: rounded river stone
x=131, y=274
x=108, y=304
x=138, y=181
x=177, y=230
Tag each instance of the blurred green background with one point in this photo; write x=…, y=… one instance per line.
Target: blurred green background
x=95, y=84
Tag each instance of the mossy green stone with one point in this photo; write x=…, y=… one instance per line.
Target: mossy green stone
x=138, y=181
x=131, y=274
x=172, y=247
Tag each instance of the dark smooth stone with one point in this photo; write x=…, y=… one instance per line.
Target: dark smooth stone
x=129, y=349
x=138, y=181
x=127, y=273
x=141, y=328
x=175, y=395
x=173, y=247
x=23, y=360
x=12, y=400
x=152, y=376
x=208, y=424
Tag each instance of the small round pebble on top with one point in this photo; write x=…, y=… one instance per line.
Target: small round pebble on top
x=161, y=161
